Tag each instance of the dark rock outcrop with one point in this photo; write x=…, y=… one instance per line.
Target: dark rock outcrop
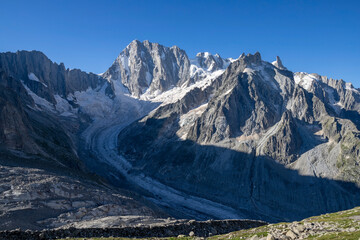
x=200, y=229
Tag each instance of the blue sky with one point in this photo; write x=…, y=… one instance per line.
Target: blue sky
x=312, y=36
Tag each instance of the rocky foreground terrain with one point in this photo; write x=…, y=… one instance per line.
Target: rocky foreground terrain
x=33, y=198
x=340, y=225
x=191, y=228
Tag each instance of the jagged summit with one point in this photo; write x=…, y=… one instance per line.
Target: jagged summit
x=278, y=63
x=149, y=67
x=210, y=62
x=251, y=58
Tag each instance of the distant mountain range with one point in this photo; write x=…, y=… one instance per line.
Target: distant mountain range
x=160, y=135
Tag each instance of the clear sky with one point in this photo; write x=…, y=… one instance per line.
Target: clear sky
x=321, y=36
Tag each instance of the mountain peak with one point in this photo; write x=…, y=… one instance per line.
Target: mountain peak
x=134, y=42
x=252, y=58
x=278, y=63
x=210, y=62
x=146, y=67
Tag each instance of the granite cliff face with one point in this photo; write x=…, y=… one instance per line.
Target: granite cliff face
x=45, y=78
x=149, y=67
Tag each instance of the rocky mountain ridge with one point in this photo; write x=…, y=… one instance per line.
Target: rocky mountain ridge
x=285, y=121
x=149, y=69
x=206, y=137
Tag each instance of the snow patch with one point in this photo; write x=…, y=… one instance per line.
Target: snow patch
x=335, y=105
x=350, y=87
x=119, y=88
x=94, y=102
x=63, y=107
x=148, y=78
x=124, y=60
x=192, y=115
x=177, y=93
x=263, y=73
x=33, y=77
x=41, y=103
x=249, y=71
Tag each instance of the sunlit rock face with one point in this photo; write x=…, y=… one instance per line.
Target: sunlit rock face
x=257, y=137
x=149, y=67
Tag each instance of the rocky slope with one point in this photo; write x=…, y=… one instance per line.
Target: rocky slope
x=45, y=182
x=340, y=225
x=258, y=138
x=34, y=198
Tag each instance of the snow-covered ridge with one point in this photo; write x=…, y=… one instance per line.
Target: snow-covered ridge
x=96, y=104
x=93, y=102
x=305, y=80
x=350, y=87
x=177, y=93
x=209, y=63
x=146, y=70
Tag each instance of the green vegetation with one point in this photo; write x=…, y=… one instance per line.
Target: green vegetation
x=340, y=235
